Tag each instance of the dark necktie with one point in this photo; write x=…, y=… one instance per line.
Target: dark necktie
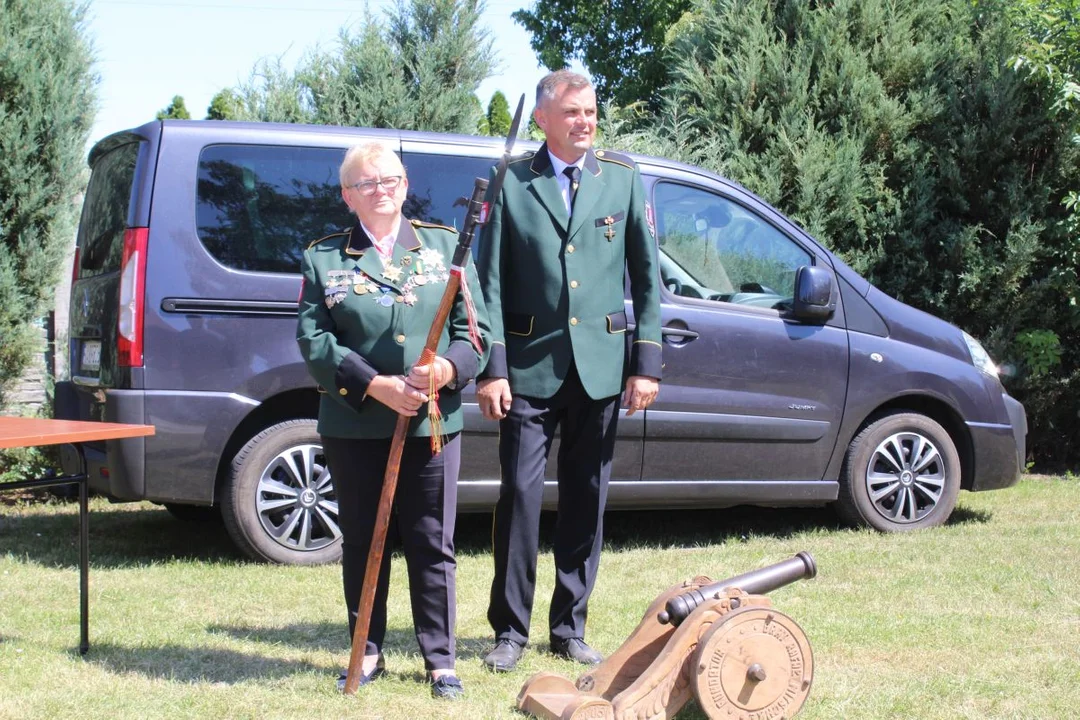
x=574, y=173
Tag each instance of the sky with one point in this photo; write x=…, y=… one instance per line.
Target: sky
x=150, y=50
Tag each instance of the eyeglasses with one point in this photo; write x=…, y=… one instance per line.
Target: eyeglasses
x=367, y=187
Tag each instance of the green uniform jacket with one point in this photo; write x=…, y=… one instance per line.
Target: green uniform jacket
x=554, y=284
x=358, y=320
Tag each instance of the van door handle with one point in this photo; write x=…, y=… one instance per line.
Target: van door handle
x=679, y=331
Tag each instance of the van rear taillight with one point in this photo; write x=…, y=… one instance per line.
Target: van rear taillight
x=129, y=337
x=75, y=266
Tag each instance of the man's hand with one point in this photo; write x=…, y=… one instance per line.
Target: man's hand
x=640, y=392
x=420, y=376
x=396, y=394
x=494, y=397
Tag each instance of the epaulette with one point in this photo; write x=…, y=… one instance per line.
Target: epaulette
x=616, y=157
x=527, y=155
x=421, y=223
x=331, y=235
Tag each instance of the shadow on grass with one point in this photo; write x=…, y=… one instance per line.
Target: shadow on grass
x=322, y=636
x=122, y=538
x=333, y=638
x=967, y=516
x=631, y=529
x=118, y=538
x=184, y=664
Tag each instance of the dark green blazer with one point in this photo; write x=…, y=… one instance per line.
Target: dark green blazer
x=554, y=284
x=358, y=320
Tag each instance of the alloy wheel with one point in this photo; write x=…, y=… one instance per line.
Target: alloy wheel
x=296, y=501
x=905, y=477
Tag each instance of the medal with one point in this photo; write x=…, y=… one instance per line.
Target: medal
x=385, y=300
x=392, y=273
x=431, y=257
x=610, y=232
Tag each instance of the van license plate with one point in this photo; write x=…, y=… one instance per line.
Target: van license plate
x=91, y=355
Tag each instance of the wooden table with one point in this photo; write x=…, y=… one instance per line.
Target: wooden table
x=18, y=432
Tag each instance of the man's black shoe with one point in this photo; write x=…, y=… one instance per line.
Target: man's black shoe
x=505, y=655
x=575, y=649
x=447, y=687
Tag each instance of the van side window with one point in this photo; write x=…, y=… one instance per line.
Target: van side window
x=260, y=206
x=105, y=211
x=439, y=186
x=712, y=248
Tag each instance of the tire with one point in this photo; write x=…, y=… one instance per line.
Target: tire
x=278, y=501
x=193, y=513
x=882, y=487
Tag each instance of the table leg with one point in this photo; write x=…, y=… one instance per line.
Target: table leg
x=83, y=482
x=84, y=554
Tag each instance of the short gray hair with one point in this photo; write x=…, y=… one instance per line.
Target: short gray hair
x=549, y=85
x=365, y=153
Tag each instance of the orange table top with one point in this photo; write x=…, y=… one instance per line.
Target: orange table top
x=29, y=432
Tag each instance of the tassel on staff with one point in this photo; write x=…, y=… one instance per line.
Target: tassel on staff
x=427, y=358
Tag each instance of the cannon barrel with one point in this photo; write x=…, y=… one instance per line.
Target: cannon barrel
x=755, y=582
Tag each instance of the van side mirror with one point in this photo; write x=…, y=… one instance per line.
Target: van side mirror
x=813, y=294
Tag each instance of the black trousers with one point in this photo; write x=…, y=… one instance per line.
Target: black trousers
x=586, y=446
x=422, y=525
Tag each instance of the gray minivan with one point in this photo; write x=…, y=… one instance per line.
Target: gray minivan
x=789, y=379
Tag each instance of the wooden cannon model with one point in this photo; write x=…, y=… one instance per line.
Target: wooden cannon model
x=721, y=643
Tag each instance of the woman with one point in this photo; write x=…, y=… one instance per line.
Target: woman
x=367, y=302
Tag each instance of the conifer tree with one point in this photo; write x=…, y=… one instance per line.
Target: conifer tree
x=47, y=105
x=416, y=70
x=176, y=110
x=498, y=115
x=223, y=106
x=899, y=134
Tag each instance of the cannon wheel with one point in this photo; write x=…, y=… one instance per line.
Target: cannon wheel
x=756, y=662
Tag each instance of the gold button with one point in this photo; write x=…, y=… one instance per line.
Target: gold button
x=573, y=283
x=398, y=298
x=573, y=321
x=569, y=248
x=343, y=391
x=401, y=338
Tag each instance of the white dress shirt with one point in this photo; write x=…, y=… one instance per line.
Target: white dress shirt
x=564, y=182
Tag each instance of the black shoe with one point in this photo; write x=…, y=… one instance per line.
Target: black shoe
x=379, y=671
x=505, y=655
x=447, y=687
x=575, y=649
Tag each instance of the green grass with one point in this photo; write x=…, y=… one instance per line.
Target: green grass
x=977, y=619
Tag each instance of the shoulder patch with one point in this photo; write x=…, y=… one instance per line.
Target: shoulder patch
x=331, y=235
x=615, y=157
x=421, y=223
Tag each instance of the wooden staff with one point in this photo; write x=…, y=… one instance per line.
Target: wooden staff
x=475, y=216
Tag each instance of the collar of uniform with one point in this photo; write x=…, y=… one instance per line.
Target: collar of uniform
x=358, y=240
x=559, y=167
x=542, y=161
x=407, y=238
x=385, y=244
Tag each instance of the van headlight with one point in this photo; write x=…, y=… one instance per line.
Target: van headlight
x=979, y=357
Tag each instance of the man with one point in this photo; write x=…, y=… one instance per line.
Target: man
x=567, y=226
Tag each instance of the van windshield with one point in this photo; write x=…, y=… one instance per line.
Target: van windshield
x=105, y=211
